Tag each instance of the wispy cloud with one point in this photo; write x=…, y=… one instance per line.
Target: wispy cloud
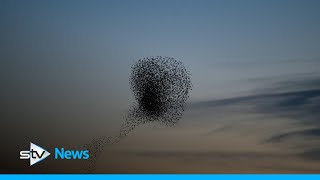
x=296, y=101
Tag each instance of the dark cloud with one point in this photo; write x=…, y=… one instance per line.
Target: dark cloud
x=299, y=105
x=291, y=102
x=313, y=154
x=209, y=155
x=284, y=136
x=295, y=100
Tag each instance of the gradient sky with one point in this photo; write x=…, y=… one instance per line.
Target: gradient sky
x=98, y=40
x=65, y=64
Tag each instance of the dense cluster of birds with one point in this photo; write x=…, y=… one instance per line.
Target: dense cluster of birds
x=161, y=87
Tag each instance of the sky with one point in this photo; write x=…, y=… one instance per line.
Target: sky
x=65, y=68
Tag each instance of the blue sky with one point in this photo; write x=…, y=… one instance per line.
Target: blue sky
x=211, y=37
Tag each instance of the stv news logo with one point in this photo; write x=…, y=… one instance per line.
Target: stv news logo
x=36, y=154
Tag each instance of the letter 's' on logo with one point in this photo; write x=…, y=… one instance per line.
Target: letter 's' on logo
x=36, y=154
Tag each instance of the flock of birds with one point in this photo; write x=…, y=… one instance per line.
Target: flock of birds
x=160, y=86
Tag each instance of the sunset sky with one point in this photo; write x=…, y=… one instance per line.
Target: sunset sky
x=255, y=69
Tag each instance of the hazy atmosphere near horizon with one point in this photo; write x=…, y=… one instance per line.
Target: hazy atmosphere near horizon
x=254, y=64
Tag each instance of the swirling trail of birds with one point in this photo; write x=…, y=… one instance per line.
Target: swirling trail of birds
x=161, y=87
